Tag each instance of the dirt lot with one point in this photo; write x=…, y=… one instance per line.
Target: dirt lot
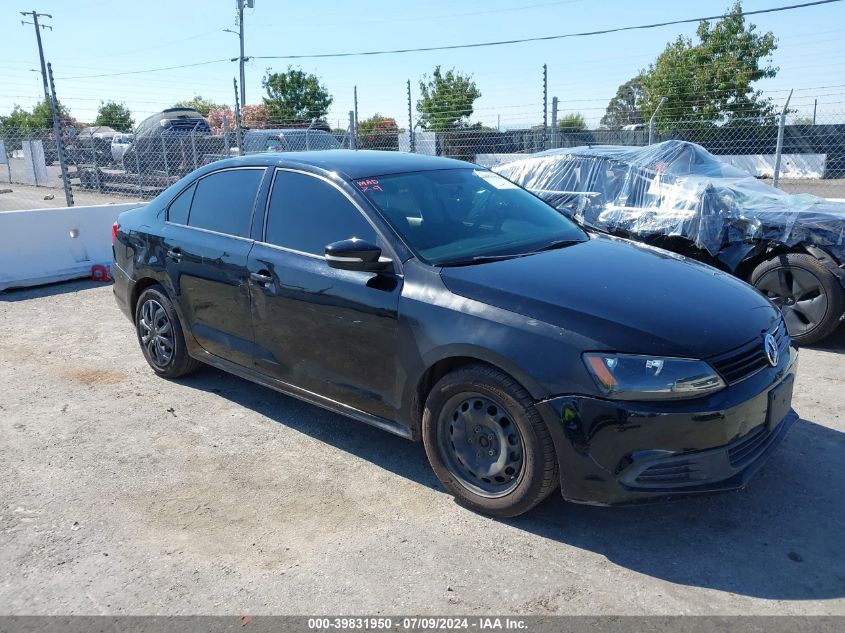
x=124, y=493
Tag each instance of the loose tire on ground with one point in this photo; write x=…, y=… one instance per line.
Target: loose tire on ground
x=511, y=431
x=810, y=296
x=160, y=335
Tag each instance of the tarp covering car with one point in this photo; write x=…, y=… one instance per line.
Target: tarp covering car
x=677, y=189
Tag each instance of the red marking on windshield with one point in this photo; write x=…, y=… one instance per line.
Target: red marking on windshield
x=370, y=184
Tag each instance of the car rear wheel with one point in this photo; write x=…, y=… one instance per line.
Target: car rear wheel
x=160, y=335
x=809, y=295
x=486, y=442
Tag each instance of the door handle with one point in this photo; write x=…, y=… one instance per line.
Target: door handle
x=261, y=278
x=175, y=254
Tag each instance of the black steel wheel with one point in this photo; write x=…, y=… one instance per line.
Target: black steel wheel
x=810, y=296
x=160, y=335
x=486, y=442
x=480, y=444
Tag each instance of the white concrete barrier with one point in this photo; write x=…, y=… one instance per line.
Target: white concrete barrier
x=41, y=246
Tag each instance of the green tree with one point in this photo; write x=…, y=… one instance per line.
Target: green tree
x=625, y=108
x=378, y=132
x=200, y=104
x=573, y=122
x=710, y=81
x=447, y=99
x=295, y=96
x=114, y=115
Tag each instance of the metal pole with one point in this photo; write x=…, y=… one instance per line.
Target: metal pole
x=194, y=145
x=554, y=121
x=57, y=130
x=38, y=28
x=226, y=135
x=353, y=134
x=545, y=105
x=779, y=149
x=355, y=95
x=137, y=163
x=412, y=144
x=164, y=155
x=238, y=131
x=815, y=105
x=96, y=165
x=651, y=120
x=241, y=35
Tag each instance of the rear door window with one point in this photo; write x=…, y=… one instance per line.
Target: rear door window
x=224, y=200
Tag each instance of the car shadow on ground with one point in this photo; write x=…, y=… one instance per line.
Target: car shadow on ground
x=779, y=539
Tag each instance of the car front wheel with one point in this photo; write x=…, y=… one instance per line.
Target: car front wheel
x=486, y=442
x=810, y=296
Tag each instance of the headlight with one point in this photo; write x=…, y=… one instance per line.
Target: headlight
x=633, y=377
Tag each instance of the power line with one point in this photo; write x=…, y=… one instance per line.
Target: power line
x=461, y=46
x=544, y=38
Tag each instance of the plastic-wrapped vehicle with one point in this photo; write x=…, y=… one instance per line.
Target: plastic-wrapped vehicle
x=172, y=142
x=678, y=196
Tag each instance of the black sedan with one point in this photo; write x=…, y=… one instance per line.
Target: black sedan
x=437, y=300
x=678, y=196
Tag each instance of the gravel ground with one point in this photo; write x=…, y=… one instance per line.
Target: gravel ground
x=122, y=493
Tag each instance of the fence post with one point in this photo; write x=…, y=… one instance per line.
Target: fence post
x=137, y=163
x=545, y=106
x=57, y=130
x=194, y=145
x=238, y=133
x=96, y=165
x=651, y=120
x=779, y=149
x=353, y=133
x=226, y=135
x=554, y=122
x=164, y=155
x=412, y=142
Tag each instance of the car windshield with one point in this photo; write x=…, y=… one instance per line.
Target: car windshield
x=459, y=216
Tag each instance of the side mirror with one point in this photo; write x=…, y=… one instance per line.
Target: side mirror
x=356, y=254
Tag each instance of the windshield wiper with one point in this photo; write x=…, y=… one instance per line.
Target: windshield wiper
x=481, y=259
x=557, y=244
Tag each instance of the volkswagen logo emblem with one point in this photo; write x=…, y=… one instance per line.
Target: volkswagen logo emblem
x=772, y=352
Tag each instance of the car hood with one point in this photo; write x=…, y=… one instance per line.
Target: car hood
x=625, y=296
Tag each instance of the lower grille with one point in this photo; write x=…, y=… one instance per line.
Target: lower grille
x=750, y=446
x=671, y=472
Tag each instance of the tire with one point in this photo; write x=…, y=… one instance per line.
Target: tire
x=472, y=447
x=810, y=297
x=160, y=335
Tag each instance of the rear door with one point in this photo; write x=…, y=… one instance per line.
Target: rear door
x=207, y=244
x=331, y=332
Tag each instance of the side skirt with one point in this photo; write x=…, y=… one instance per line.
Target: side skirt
x=301, y=394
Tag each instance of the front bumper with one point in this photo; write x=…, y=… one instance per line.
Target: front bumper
x=613, y=452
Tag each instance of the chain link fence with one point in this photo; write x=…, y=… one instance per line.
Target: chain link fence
x=104, y=165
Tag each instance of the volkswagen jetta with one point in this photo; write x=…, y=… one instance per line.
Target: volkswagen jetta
x=437, y=300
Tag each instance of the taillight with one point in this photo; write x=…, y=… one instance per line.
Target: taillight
x=114, y=228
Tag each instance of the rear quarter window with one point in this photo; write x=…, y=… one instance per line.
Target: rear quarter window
x=178, y=210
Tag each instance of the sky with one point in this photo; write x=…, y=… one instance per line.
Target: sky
x=91, y=40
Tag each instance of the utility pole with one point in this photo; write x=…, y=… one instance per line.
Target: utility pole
x=356, y=106
x=38, y=28
x=240, y=33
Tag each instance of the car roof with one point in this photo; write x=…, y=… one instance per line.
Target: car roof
x=350, y=163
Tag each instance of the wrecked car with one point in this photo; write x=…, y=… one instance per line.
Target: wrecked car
x=678, y=196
